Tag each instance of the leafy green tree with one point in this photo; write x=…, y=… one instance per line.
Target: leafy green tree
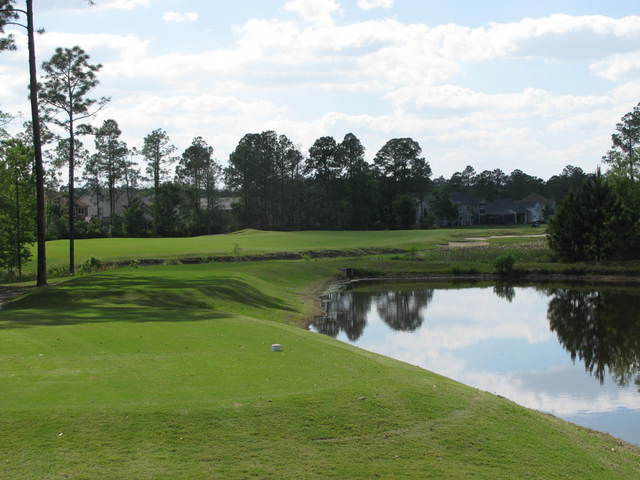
x=287, y=173
x=569, y=180
x=135, y=221
x=17, y=205
x=490, y=184
x=404, y=208
x=68, y=79
x=172, y=208
x=444, y=209
x=624, y=155
x=520, y=184
x=396, y=160
x=112, y=156
x=322, y=170
x=261, y=168
x=198, y=172
x=464, y=180
x=593, y=224
x=358, y=183
x=395, y=164
x=158, y=154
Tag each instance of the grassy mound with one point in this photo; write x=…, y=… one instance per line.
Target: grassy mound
x=167, y=372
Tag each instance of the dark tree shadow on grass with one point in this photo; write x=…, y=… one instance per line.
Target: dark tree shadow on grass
x=123, y=298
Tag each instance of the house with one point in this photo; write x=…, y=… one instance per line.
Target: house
x=469, y=208
x=474, y=211
x=505, y=211
x=223, y=203
x=89, y=206
x=227, y=203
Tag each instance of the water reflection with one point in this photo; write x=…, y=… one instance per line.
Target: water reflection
x=573, y=352
x=403, y=310
x=347, y=312
x=344, y=312
x=505, y=291
x=601, y=329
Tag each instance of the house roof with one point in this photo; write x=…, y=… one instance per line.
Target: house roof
x=464, y=198
x=533, y=198
x=504, y=206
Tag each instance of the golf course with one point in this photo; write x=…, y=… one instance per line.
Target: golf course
x=166, y=371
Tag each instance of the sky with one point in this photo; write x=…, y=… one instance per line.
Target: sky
x=530, y=85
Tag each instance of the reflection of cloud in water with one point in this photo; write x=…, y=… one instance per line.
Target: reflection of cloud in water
x=560, y=391
x=453, y=326
x=517, y=343
x=524, y=389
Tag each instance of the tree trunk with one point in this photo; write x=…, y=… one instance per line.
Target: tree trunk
x=37, y=145
x=18, y=259
x=156, y=188
x=72, y=262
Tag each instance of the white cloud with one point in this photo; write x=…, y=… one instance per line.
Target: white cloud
x=180, y=17
x=617, y=66
x=533, y=100
x=408, y=69
x=122, y=4
x=368, y=4
x=314, y=11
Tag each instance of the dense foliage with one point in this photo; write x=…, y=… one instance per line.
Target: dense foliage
x=17, y=205
x=600, y=220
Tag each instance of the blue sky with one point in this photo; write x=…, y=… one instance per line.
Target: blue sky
x=518, y=84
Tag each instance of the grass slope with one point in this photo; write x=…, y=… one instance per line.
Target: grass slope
x=166, y=372
x=257, y=242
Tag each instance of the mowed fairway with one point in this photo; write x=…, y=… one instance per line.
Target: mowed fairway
x=258, y=242
x=167, y=372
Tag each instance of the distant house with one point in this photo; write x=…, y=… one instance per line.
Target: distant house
x=509, y=212
x=88, y=206
x=80, y=210
x=503, y=211
x=227, y=203
x=469, y=208
x=101, y=209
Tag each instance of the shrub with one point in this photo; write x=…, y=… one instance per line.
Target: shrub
x=504, y=264
x=91, y=264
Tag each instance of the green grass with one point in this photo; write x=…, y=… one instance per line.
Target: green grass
x=258, y=242
x=166, y=372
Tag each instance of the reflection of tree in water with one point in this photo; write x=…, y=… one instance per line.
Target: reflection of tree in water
x=402, y=310
x=505, y=291
x=601, y=328
x=327, y=326
x=345, y=311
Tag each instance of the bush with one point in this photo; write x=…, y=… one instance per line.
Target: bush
x=504, y=264
x=91, y=264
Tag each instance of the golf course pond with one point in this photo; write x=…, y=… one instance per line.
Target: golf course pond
x=572, y=351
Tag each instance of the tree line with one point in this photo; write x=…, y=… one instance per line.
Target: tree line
x=331, y=186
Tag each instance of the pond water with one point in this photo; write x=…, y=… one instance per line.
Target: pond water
x=570, y=351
